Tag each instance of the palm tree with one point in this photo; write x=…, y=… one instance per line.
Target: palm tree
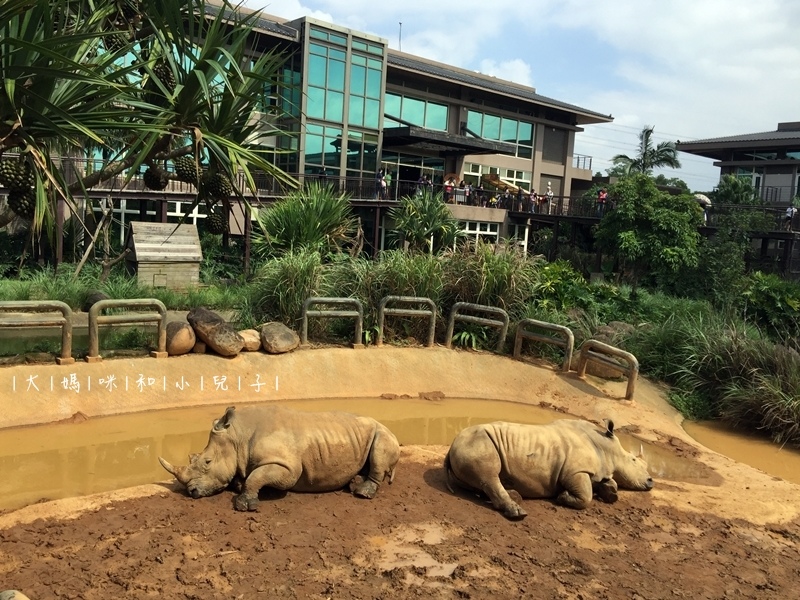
x=424, y=222
x=649, y=156
x=143, y=81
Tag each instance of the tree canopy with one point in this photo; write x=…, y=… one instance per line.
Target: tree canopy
x=650, y=230
x=649, y=156
x=129, y=83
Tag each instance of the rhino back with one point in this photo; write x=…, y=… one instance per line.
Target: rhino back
x=329, y=448
x=536, y=458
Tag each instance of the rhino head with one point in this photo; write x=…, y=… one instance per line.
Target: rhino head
x=630, y=471
x=210, y=471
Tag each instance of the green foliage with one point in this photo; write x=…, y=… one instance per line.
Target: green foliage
x=649, y=230
x=773, y=302
x=560, y=287
x=472, y=336
x=316, y=218
x=673, y=182
x=735, y=190
x=425, y=223
x=649, y=156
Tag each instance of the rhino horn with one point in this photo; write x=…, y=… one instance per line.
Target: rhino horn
x=178, y=472
x=641, y=451
x=609, y=428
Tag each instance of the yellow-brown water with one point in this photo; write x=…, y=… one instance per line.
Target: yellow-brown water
x=757, y=452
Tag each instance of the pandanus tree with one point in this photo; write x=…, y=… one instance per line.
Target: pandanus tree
x=649, y=156
x=131, y=84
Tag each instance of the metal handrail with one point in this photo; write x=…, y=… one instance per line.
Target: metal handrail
x=455, y=315
x=358, y=313
x=407, y=312
x=95, y=319
x=599, y=352
x=565, y=341
x=37, y=306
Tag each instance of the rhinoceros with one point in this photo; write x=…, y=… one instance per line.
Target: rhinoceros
x=568, y=459
x=273, y=446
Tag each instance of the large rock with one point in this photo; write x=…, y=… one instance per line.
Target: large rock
x=180, y=338
x=215, y=332
x=252, y=340
x=277, y=338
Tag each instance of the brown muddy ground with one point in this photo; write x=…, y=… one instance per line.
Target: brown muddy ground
x=712, y=528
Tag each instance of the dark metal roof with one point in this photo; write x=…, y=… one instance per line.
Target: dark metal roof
x=445, y=144
x=720, y=148
x=485, y=82
x=262, y=23
x=735, y=140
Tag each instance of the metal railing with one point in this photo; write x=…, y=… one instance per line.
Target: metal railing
x=430, y=312
x=358, y=314
x=456, y=314
x=561, y=336
x=42, y=306
x=96, y=319
x=605, y=355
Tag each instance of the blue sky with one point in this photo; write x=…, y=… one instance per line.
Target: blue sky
x=693, y=69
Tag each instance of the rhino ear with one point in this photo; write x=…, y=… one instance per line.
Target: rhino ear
x=609, y=428
x=225, y=421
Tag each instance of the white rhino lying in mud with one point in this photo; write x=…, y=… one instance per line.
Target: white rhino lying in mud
x=567, y=459
x=273, y=446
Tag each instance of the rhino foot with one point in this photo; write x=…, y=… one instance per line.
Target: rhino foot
x=245, y=502
x=606, y=490
x=363, y=488
x=514, y=512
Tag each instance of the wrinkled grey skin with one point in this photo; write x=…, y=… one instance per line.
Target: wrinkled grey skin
x=273, y=446
x=569, y=460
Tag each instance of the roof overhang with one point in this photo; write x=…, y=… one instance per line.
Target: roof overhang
x=441, y=142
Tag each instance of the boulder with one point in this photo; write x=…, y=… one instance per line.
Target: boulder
x=252, y=340
x=12, y=595
x=180, y=338
x=93, y=298
x=199, y=348
x=277, y=338
x=215, y=332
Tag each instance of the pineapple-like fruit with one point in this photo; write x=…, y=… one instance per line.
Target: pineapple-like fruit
x=15, y=175
x=23, y=202
x=156, y=178
x=215, y=222
x=186, y=169
x=218, y=185
x=114, y=42
x=164, y=73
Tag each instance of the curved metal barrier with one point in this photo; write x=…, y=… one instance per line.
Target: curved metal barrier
x=95, y=319
x=455, y=315
x=601, y=353
x=564, y=338
x=407, y=312
x=358, y=313
x=39, y=306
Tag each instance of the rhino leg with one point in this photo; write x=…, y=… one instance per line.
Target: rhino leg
x=271, y=475
x=381, y=460
x=577, y=491
x=606, y=490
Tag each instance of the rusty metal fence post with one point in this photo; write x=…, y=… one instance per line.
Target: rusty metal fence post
x=46, y=306
x=430, y=312
x=566, y=339
x=95, y=319
x=455, y=315
x=604, y=354
x=358, y=314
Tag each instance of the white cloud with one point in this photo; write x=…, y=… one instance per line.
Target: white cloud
x=516, y=70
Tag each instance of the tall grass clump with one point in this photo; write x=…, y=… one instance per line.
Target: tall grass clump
x=282, y=285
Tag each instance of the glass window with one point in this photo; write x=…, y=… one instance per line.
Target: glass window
x=375, y=64
x=526, y=134
x=413, y=111
x=391, y=105
x=372, y=113
x=333, y=138
x=508, y=131
x=358, y=79
x=374, y=84
x=318, y=49
x=335, y=54
x=338, y=39
x=353, y=154
x=314, y=149
x=491, y=127
x=359, y=45
x=336, y=75
x=373, y=49
x=317, y=67
x=436, y=116
x=356, y=114
x=315, y=105
x=334, y=107
x=475, y=122
x=358, y=60
x=320, y=35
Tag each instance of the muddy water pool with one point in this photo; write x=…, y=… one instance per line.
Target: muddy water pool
x=745, y=448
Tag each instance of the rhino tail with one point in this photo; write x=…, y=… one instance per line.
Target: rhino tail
x=449, y=476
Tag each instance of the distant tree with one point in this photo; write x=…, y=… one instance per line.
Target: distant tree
x=673, y=182
x=735, y=190
x=650, y=231
x=649, y=156
x=425, y=223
